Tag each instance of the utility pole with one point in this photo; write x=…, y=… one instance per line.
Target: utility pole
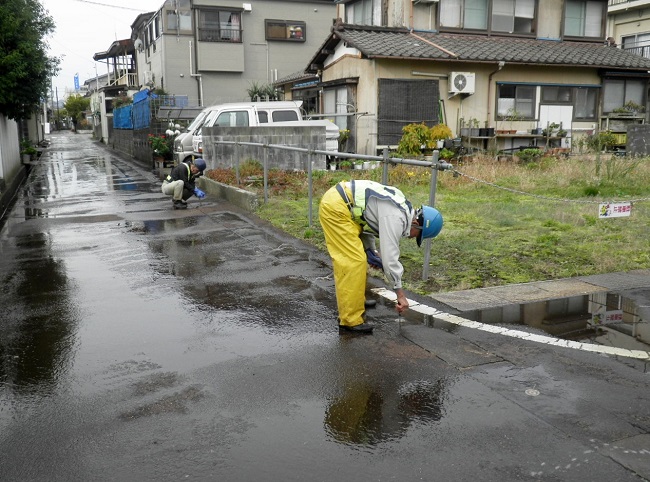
x=58, y=113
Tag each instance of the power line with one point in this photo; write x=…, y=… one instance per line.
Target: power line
x=112, y=6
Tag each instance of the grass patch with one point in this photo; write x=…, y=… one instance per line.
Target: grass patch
x=504, y=222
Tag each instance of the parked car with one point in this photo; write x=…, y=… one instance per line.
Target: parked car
x=252, y=114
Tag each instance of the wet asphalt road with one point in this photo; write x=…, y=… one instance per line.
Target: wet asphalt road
x=141, y=343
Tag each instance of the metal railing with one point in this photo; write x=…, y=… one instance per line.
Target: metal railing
x=643, y=51
x=435, y=165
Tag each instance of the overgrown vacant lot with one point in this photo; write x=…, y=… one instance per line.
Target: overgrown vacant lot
x=505, y=222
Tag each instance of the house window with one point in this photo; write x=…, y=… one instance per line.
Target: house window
x=292, y=30
x=508, y=16
x=309, y=99
x=513, y=16
x=583, y=99
x=556, y=94
x=514, y=98
x=584, y=18
x=617, y=92
x=179, y=21
x=585, y=104
x=363, y=12
x=335, y=101
x=403, y=102
x=219, y=26
x=637, y=44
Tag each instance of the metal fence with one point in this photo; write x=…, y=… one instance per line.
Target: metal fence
x=435, y=165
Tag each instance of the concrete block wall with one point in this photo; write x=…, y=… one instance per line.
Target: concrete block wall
x=226, y=156
x=638, y=140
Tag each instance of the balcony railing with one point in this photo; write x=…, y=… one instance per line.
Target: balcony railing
x=643, y=51
x=637, y=3
x=128, y=79
x=223, y=34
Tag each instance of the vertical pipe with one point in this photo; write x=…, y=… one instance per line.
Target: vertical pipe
x=432, y=202
x=310, y=157
x=266, y=171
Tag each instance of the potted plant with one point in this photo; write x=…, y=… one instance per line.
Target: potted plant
x=358, y=164
x=512, y=116
x=160, y=146
x=464, y=131
x=529, y=155
x=446, y=154
x=345, y=164
x=551, y=129
x=486, y=131
x=415, y=137
x=27, y=150
x=344, y=135
x=438, y=134
x=473, y=127
x=630, y=108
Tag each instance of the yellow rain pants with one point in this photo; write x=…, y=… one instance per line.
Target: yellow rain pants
x=348, y=257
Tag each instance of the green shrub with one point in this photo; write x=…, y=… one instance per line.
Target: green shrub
x=528, y=155
x=604, y=140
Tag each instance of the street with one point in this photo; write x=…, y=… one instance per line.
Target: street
x=142, y=343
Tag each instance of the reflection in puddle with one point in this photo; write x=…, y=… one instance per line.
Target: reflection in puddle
x=604, y=318
x=367, y=414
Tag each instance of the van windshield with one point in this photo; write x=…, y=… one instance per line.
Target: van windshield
x=196, y=122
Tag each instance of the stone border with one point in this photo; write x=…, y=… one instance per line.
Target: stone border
x=234, y=195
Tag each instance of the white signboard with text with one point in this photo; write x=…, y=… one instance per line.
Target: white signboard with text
x=614, y=210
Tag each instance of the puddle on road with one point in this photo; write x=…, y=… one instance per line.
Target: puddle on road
x=604, y=318
x=368, y=414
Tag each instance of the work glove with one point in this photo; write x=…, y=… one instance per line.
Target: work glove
x=198, y=193
x=374, y=259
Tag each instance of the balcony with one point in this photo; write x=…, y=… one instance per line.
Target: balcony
x=614, y=6
x=642, y=50
x=123, y=78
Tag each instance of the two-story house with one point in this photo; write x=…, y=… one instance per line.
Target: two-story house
x=214, y=51
x=521, y=64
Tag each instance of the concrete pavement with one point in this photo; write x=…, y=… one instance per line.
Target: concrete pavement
x=142, y=343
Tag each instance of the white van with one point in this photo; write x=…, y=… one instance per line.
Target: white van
x=265, y=112
x=236, y=114
x=183, y=141
x=251, y=114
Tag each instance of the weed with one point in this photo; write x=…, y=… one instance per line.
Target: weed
x=495, y=236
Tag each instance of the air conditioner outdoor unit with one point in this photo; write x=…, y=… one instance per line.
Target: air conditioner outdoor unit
x=461, y=82
x=148, y=77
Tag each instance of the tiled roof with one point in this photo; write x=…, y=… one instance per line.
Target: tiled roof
x=382, y=42
x=295, y=77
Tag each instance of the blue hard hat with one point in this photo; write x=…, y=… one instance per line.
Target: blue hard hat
x=200, y=164
x=430, y=220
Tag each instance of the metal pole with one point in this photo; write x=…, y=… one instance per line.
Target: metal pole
x=236, y=162
x=266, y=172
x=310, y=157
x=384, y=174
x=432, y=202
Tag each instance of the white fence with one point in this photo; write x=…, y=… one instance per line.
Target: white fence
x=9, y=151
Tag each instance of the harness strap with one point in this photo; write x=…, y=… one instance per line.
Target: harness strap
x=344, y=195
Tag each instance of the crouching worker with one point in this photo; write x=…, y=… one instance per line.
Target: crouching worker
x=180, y=182
x=345, y=211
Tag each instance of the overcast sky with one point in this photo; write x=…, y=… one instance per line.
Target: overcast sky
x=85, y=27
